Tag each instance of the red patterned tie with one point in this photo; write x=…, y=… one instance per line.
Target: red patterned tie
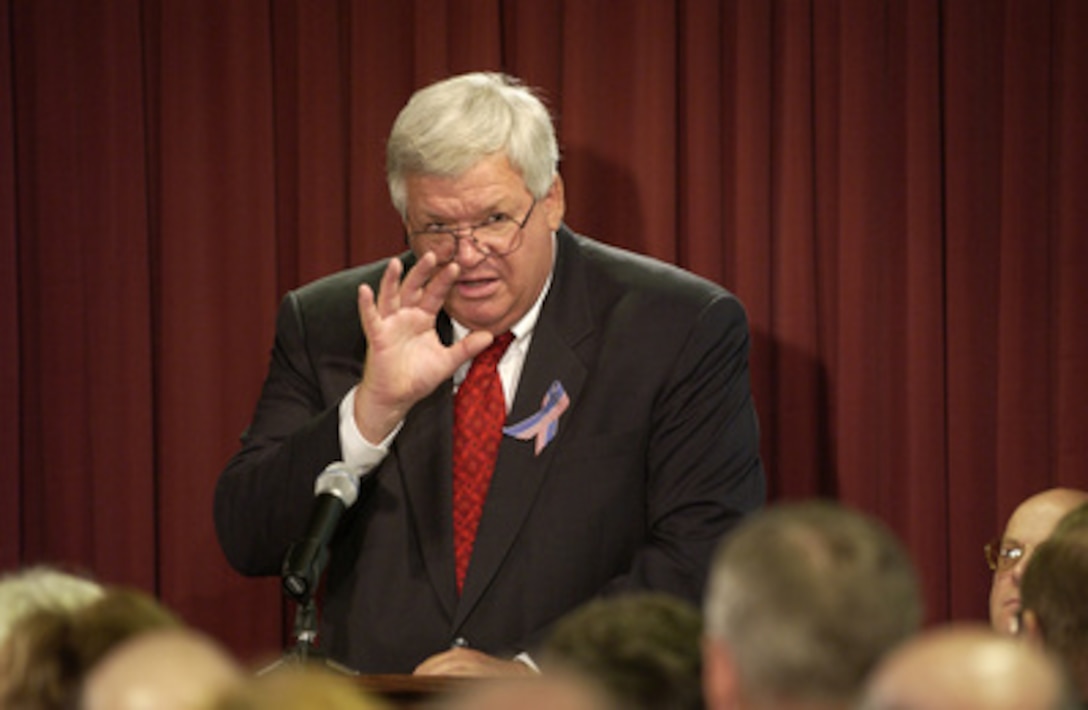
x=479, y=410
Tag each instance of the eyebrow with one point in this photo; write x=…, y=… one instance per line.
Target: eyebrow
x=492, y=208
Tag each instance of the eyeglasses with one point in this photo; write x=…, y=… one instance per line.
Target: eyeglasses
x=1002, y=554
x=498, y=235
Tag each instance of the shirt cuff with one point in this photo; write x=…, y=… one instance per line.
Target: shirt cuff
x=356, y=451
x=527, y=660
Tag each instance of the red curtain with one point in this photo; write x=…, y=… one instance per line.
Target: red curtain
x=894, y=188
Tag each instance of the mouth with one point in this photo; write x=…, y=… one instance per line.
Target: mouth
x=476, y=287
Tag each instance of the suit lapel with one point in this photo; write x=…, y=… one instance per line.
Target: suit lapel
x=565, y=321
x=425, y=451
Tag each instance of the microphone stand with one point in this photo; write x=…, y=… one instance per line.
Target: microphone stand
x=305, y=648
x=301, y=586
x=304, y=564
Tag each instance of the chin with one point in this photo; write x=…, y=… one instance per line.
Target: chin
x=1003, y=623
x=474, y=316
x=480, y=321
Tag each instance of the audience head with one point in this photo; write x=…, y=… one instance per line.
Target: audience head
x=1054, y=601
x=643, y=648
x=1076, y=519
x=968, y=666
x=49, y=652
x=168, y=669
x=295, y=687
x=803, y=601
x=558, y=690
x=450, y=126
x=41, y=587
x=1030, y=524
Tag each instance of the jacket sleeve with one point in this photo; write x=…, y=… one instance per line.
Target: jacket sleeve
x=263, y=496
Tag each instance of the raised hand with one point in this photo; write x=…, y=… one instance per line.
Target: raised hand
x=405, y=359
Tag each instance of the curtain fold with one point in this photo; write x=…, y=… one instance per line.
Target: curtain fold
x=1067, y=217
x=86, y=451
x=216, y=272
x=11, y=427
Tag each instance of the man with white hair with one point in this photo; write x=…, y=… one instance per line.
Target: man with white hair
x=1031, y=523
x=538, y=418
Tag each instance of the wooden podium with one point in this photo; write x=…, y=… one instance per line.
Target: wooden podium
x=399, y=690
x=409, y=691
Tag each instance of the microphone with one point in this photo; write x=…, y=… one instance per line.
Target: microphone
x=335, y=490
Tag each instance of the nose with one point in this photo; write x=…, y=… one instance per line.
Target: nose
x=1017, y=570
x=466, y=253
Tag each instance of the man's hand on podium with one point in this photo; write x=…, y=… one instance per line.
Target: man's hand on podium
x=467, y=662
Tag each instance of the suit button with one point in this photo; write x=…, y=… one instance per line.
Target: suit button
x=459, y=642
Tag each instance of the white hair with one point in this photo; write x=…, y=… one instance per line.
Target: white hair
x=449, y=126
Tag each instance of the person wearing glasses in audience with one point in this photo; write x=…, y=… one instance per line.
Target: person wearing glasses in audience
x=1030, y=524
x=615, y=439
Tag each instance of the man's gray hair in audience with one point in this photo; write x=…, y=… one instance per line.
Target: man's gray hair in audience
x=804, y=599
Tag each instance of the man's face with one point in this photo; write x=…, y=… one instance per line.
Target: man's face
x=1030, y=524
x=492, y=293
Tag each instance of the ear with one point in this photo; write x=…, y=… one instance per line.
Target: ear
x=555, y=204
x=1031, y=629
x=721, y=683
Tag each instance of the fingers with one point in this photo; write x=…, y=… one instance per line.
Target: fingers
x=438, y=287
x=417, y=279
x=389, y=292
x=432, y=665
x=425, y=286
x=468, y=662
x=368, y=310
x=403, y=310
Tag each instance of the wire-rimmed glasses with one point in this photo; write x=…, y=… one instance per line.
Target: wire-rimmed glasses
x=498, y=235
x=1003, y=553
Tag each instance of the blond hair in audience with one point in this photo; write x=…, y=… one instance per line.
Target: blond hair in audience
x=41, y=587
x=49, y=651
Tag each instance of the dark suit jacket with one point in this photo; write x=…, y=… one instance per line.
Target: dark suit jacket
x=656, y=458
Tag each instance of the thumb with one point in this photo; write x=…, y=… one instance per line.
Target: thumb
x=472, y=345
